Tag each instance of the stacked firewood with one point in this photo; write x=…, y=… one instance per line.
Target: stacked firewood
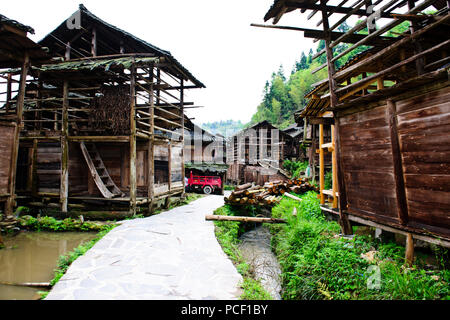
x=268, y=194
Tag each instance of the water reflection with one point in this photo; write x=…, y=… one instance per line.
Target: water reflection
x=32, y=257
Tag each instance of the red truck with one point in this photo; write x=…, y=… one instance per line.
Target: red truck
x=207, y=184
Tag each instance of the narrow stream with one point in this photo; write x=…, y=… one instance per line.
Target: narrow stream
x=256, y=250
x=32, y=257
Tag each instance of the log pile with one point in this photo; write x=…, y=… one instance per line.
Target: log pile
x=269, y=194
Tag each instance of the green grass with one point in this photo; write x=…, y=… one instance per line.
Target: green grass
x=227, y=234
x=52, y=224
x=317, y=264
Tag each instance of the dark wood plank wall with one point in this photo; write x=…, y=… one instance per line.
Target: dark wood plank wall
x=48, y=167
x=115, y=157
x=367, y=161
x=6, y=148
x=161, y=164
x=78, y=170
x=424, y=130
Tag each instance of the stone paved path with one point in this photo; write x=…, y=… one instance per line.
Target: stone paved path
x=172, y=255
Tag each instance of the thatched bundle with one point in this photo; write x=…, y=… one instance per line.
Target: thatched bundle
x=111, y=110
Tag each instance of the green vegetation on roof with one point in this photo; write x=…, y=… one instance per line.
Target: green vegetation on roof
x=105, y=64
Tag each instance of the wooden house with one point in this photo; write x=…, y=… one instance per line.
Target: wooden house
x=390, y=116
x=255, y=154
x=296, y=132
x=103, y=127
x=16, y=51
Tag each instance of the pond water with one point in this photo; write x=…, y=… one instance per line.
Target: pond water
x=32, y=257
x=256, y=250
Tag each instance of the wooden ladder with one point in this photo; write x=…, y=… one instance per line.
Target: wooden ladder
x=98, y=171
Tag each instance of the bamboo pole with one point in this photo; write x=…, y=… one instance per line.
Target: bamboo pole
x=287, y=194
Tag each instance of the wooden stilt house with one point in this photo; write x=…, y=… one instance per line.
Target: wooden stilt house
x=255, y=154
x=16, y=51
x=104, y=126
x=390, y=114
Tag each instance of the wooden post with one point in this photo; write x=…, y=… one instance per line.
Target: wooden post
x=321, y=165
x=151, y=149
x=344, y=222
x=133, y=181
x=169, y=147
x=402, y=207
x=343, y=219
x=10, y=202
x=33, y=178
x=312, y=159
x=409, y=250
x=64, y=183
x=334, y=167
x=182, y=133
x=8, y=92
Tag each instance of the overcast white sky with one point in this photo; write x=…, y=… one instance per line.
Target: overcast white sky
x=213, y=39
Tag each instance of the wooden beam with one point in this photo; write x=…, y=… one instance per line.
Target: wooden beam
x=431, y=238
x=182, y=132
x=334, y=168
x=244, y=219
x=320, y=34
x=396, y=66
x=402, y=207
x=10, y=203
x=321, y=165
x=345, y=224
x=333, y=9
x=409, y=250
x=133, y=181
x=380, y=31
x=363, y=24
x=151, y=148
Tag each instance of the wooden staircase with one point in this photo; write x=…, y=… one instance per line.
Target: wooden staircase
x=98, y=171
